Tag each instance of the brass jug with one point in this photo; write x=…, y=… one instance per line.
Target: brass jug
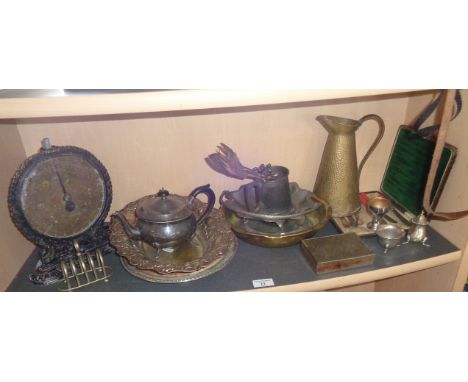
x=338, y=176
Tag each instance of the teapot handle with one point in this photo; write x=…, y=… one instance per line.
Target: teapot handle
x=211, y=200
x=376, y=141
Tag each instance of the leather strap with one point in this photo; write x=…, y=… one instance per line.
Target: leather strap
x=432, y=130
x=449, y=103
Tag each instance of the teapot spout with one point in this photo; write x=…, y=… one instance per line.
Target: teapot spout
x=132, y=231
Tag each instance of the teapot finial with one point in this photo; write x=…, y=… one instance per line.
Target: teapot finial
x=162, y=193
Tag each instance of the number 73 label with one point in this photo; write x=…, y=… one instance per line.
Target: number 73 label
x=263, y=283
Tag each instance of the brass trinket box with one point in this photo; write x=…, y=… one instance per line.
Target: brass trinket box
x=336, y=252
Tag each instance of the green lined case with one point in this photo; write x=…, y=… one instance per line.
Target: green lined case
x=407, y=170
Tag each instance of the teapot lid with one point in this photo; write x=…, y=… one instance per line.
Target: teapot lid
x=163, y=208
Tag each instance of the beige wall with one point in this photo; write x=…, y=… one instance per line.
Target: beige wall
x=14, y=249
x=145, y=154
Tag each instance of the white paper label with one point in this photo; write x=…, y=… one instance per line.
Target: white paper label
x=263, y=283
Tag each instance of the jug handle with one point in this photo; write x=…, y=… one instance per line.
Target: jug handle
x=211, y=200
x=377, y=140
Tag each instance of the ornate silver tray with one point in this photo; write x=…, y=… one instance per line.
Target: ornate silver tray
x=173, y=278
x=211, y=248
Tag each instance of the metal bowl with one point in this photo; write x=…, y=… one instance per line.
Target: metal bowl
x=389, y=236
x=267, y=234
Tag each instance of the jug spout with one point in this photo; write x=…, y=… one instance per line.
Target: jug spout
x=338, y=125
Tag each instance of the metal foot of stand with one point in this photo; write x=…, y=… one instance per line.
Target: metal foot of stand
x=83, y=269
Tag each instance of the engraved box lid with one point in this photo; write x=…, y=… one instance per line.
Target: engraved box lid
x=336, y=252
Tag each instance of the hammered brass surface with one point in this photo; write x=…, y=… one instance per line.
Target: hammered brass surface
x=250, y=232
x=337, y=180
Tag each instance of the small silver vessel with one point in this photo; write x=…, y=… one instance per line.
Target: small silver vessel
x=389, y=236
x=417, y=233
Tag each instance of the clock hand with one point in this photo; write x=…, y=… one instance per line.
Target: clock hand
x=69, y=203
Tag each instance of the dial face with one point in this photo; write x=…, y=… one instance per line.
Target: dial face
x=62, y=196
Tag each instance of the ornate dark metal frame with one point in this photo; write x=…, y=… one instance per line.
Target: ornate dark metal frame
x=63, y=245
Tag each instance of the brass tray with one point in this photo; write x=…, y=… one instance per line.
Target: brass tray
x=211, y=248
x=266, y=234
x=173, y=278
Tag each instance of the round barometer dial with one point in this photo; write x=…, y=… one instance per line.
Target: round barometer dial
x=59, y=194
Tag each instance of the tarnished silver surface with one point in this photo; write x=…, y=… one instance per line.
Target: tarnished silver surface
x=166, y=221
x=389, y=236
x=271, y=234
x=378, y=207
x=213, y=241
x=269, y=196
x=173, y=278
x=226, y=162
x=301, y=200
x=418, y=231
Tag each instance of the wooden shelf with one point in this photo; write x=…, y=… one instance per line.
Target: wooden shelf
x=15, y=104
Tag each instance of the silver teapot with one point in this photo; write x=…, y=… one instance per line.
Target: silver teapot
x=167, y=221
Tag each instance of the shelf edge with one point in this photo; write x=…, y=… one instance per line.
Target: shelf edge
x=174, y=100
x=365, y=277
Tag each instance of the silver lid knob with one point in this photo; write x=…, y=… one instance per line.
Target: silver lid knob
x=45, y=144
